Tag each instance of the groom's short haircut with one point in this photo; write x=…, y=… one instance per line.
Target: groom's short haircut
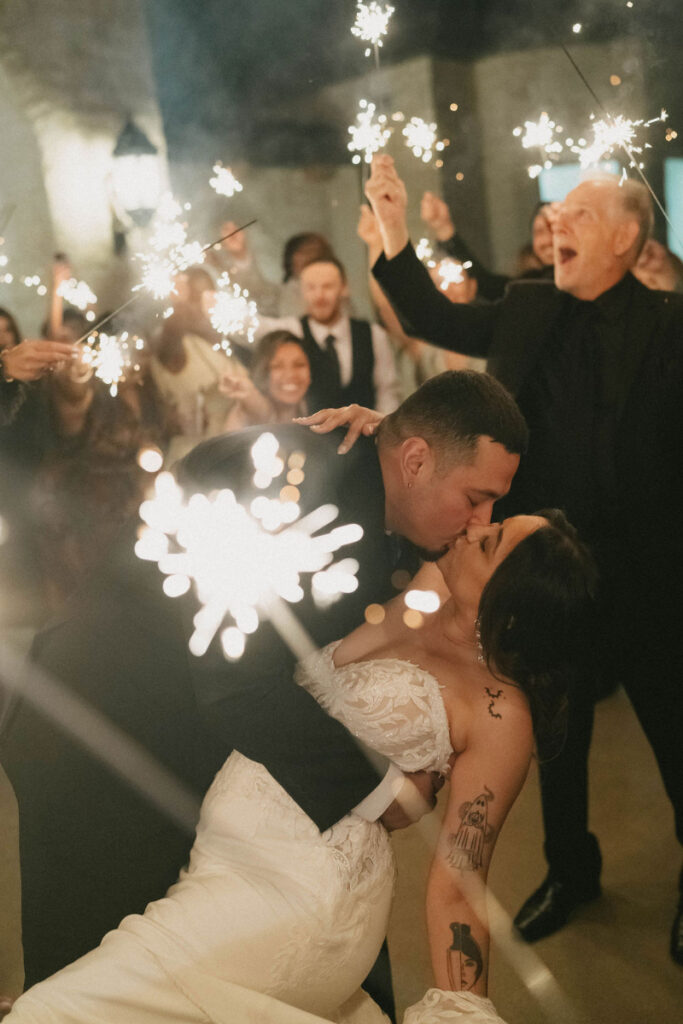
x=452, y=411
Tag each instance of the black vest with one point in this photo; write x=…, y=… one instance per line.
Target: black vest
x=322, y=393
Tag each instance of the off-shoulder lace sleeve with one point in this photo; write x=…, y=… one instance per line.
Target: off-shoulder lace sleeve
x=440, y=1007
x=393, y=706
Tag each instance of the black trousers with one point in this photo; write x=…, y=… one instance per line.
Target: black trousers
x=651, y=671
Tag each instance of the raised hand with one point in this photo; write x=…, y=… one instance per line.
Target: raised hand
x=387, y=195
x=436, y=215
x=32, y=358
x=359, y=420
x=237, y=386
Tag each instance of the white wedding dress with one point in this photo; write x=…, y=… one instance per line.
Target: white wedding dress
x=271, y=920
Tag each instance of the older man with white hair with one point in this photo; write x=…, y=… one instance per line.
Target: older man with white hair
x=596, y=364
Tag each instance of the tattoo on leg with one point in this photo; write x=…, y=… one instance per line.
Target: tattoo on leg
x=494, y=697
x=466, y=846
x=463, y=959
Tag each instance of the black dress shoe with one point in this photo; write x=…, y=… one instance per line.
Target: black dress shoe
x=548, y=909
x=677, y=936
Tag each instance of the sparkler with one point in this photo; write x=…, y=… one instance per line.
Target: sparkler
x=425, y=252
x=614, y=133
x=233, y=311
x=224, y=181
x=170, y=252
x=243, y=562
x=77, y=293
x=111, y=356
x=421, y=138
x=541, y=135
x=136, y=291
x=369, y=134
x=452, y=272
x=637, y=166
x=371, y=25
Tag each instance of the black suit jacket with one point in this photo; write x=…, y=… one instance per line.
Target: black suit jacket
x=511, y=333
x=92, y=850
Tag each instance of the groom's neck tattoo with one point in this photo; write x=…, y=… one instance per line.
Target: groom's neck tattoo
x=464, y=961
x=466, y=846
x=498, y=695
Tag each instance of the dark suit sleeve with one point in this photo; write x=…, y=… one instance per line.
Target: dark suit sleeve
x=490, y=286
x=253, y=705
x=427, y=313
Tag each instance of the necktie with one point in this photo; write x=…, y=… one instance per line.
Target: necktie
x=333, y=363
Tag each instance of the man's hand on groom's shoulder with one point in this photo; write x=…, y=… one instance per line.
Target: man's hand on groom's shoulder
x=416, y=798
x=357, y=418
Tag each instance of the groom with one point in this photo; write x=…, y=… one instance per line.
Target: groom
x=93, y=851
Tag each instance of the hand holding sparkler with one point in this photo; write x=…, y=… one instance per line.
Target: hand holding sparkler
x=388, y=198
x=437, y=216
x=34, y=357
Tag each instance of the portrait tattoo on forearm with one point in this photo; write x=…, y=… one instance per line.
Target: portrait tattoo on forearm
x=466, y=846
x=463, y=959
x=492, y=702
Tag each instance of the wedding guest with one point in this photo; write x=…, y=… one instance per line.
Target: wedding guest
x=275, y=392
x=237, y=258
x=416, y=360
x=437, y=216
x=351, y=360
x=187, y=366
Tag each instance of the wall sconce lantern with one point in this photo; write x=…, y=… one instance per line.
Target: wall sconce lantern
x=135, y=182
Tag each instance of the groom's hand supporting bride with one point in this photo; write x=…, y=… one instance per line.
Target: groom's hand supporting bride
x=415, y=798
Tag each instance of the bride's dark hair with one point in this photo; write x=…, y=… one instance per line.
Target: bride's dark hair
x=536, y=617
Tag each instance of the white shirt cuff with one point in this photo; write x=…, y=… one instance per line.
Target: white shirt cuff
x=375, y=803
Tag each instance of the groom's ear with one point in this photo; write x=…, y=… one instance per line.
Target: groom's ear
x=416, y=461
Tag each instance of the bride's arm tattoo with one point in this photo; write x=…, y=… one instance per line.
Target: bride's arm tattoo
x=464, y=960
x=466, y=846
x=492, y=703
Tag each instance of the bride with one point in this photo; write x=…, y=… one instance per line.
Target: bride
x=274, y=921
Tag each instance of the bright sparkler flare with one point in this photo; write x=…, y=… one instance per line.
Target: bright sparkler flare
x=241, y=560
x=425, y=252
x=112, y=356
x=452, y=272
x=233, y=312
x=611, y=134
x=224, y=181
x=77, y=293
x=371, y=24
x=170, y=252
x=369, y=134
x=421, y=138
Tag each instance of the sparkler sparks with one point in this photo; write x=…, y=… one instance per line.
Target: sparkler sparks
x=541, y=135
x=233, y=312
x=614, y=133
x=77, y=293
x=170, y=252
x=371, y=24
x=425, y=252
x=369, y=134
x=421, y=138
x=111, y=356
x=452, y=272
x=224, y=181
x=241, y=561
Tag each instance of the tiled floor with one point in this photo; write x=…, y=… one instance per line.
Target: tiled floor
x=610, y=965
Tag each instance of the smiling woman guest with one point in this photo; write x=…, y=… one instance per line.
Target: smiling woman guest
x=276, y=391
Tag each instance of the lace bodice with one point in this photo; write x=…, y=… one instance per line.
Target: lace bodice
x=393, y=706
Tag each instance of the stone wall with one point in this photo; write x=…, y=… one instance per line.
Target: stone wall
x=74, y=70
